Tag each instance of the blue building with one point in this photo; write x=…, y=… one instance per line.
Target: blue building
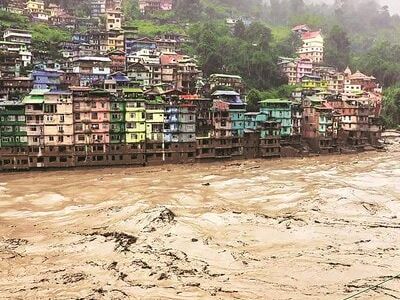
x=171, y=124
x=236, y=110
x=133, y=45
x=47, y=79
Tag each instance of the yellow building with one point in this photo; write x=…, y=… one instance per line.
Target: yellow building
x=35, y=6
x=135, y=116
x=310, y=82
x=155, y=120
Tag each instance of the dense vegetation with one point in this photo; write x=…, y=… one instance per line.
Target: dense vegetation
x=43, y=37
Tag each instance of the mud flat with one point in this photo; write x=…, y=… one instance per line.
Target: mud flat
x=315, y=228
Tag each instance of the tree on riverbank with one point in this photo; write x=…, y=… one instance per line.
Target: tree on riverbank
x=391, y=107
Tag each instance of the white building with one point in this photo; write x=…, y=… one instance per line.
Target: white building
x=313, y=46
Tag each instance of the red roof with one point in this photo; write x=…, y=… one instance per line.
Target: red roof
x=168, y=59
x=310, y=35
x=190, y=97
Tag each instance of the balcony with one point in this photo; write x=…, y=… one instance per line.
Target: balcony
x=31, y=112
x=84, y=109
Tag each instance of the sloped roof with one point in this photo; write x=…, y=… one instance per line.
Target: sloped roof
x=167, y=59
x=310, y=35
x=360, y=76
x=300, y=27
x=348, y=71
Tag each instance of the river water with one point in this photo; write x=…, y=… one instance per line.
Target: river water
x=314, y=228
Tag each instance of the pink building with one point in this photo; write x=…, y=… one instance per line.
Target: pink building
x=304, y=67
x=91, y=116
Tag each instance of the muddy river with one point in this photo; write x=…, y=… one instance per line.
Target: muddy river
x=315, y=228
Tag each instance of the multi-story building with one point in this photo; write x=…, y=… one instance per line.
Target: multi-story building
x=358, y=82
x=223, y=80
x=18, y=36
x=112, y=39
x=304, y=67
x=36, y=10
x=281, y=111
x=148, y=6
x=139, y=74
x=313, y=46
x=313, y=83
x=229, y=123
x=91, y=125
x=10, y=64
x=135, y=116
x=135, y=44
x=149, y=59
x=47, y=79
x=16, y=86
x=155, y=144
x=25, y=55
x=34, y=111
x=135, y=126
x=169, y=68
x=270, y=137
x=187, y=74
x=289, y=68
x=180, y=132
x=97, y=8
x=118, y=61
x=58, y=132
x=320, y=126
x=117, y=119
x=13, y=136
x=114, y=20
x=91, y=70
x=267, y=141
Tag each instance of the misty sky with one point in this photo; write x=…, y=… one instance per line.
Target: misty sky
x=393, y=4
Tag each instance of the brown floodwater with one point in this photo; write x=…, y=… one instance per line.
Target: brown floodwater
x=315, y=228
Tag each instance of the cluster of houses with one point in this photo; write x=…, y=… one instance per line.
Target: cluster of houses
x=115, y=98
x=39, y=10
x=119, y=123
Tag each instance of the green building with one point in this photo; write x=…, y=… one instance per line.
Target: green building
x=117, y=120
x=12, y=124
x=281, y=111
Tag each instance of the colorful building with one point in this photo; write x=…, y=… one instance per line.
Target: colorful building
x=34, y=111
x=91, y=125
x=313, y=46
x=117, y=119
x=13, y=136
x=135, y=116
x=281, y=111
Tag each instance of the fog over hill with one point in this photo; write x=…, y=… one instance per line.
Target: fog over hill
x=393, y=4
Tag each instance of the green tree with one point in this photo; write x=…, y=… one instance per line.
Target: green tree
x=239, y=30
x=253, y=101
x=391, y=107
x=337, y=50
